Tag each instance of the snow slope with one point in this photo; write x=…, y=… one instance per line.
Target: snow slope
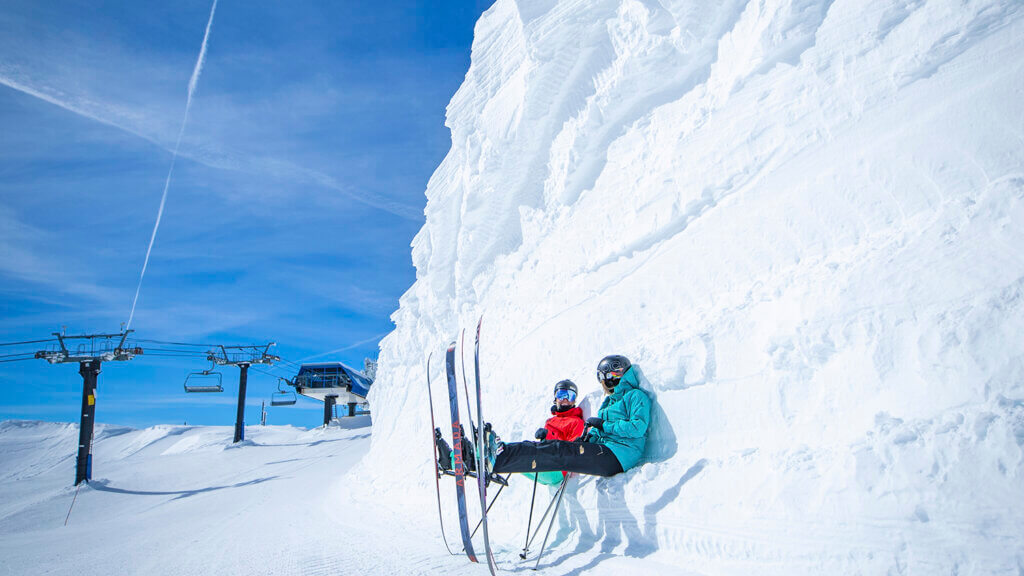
x=803, y=219
x=181, y=500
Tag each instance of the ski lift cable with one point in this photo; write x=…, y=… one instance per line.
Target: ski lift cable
x=196, y=352
x=282, y=369
x=17, y=360
x=263, y=372
x=32, y=354
x=292, y=364
x=272, y=367
x=286, y=369
x=176, y=343
x=27, y=342
x=275, y=366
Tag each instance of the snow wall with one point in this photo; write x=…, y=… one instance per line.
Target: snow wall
x=804, y=221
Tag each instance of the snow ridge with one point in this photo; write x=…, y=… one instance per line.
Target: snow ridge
x=800, y=218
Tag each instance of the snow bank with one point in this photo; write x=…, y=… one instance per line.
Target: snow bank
x=803, y=219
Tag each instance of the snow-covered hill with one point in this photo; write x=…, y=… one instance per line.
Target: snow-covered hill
x=803, y=219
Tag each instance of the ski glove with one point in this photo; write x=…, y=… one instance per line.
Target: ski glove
x=541, y=434
x=596, y=422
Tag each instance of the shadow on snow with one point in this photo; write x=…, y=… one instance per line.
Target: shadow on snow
x=614, y=521
x=103, y=486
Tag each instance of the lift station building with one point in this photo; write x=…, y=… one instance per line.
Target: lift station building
x=333, y=383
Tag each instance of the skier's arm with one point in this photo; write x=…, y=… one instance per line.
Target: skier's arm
x=639, y=413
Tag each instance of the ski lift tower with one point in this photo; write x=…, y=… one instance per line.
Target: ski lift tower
x=96, y=349
x=242, y=357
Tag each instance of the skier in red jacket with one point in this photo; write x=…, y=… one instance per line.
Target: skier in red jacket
x=566, y=422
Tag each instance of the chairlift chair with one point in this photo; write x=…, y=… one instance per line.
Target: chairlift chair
x=197, y=379
x=282, y=397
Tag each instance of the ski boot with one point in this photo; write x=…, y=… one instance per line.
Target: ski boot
x=468, y=454
x=444, y=452
x=492, y=447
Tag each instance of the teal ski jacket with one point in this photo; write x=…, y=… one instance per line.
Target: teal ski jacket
x=626, y=414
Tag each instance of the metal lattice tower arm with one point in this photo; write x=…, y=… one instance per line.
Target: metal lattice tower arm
x=96, y=347
x=239, y=355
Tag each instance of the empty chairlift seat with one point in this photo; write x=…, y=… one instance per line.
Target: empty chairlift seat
x=282, y=397
x=205, y=381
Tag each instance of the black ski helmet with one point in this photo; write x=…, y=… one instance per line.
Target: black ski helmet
x=566, y=385
x=610, y=369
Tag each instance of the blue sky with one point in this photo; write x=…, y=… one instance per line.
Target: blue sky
x=298, y=187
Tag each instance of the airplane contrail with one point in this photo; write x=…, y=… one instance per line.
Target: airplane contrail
x=192, y=83
x=349, y=347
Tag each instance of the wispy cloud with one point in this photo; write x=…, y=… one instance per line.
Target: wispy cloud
x=24, y=260
x=37, y=410
x=351, y=346
x=104, y=114
x=210, y=154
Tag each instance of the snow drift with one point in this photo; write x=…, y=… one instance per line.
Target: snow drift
x=802, y=219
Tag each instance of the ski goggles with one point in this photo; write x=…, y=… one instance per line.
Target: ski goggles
x=565, y=395
x=609, y=375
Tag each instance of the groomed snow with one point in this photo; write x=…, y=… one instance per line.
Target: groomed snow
x=802, y=219
x=184, y=500
x=181, y=500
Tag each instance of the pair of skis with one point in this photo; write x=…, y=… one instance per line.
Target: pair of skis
x=480, y=433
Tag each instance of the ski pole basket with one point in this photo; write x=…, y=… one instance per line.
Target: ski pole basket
x=282, y=397
x=205, y=381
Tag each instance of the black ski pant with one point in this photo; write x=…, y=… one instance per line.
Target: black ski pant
x=557, y=455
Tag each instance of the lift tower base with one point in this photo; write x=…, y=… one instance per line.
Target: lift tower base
x=89, y=370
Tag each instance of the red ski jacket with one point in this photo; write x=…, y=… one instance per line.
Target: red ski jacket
x=566, y=425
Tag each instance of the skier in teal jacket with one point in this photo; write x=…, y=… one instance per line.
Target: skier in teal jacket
x=625, y=414
x=618, y=434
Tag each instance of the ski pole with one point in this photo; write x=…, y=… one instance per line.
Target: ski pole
x=529, y=521
x=552, y=523
x=540, y=524
x=496, y=494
